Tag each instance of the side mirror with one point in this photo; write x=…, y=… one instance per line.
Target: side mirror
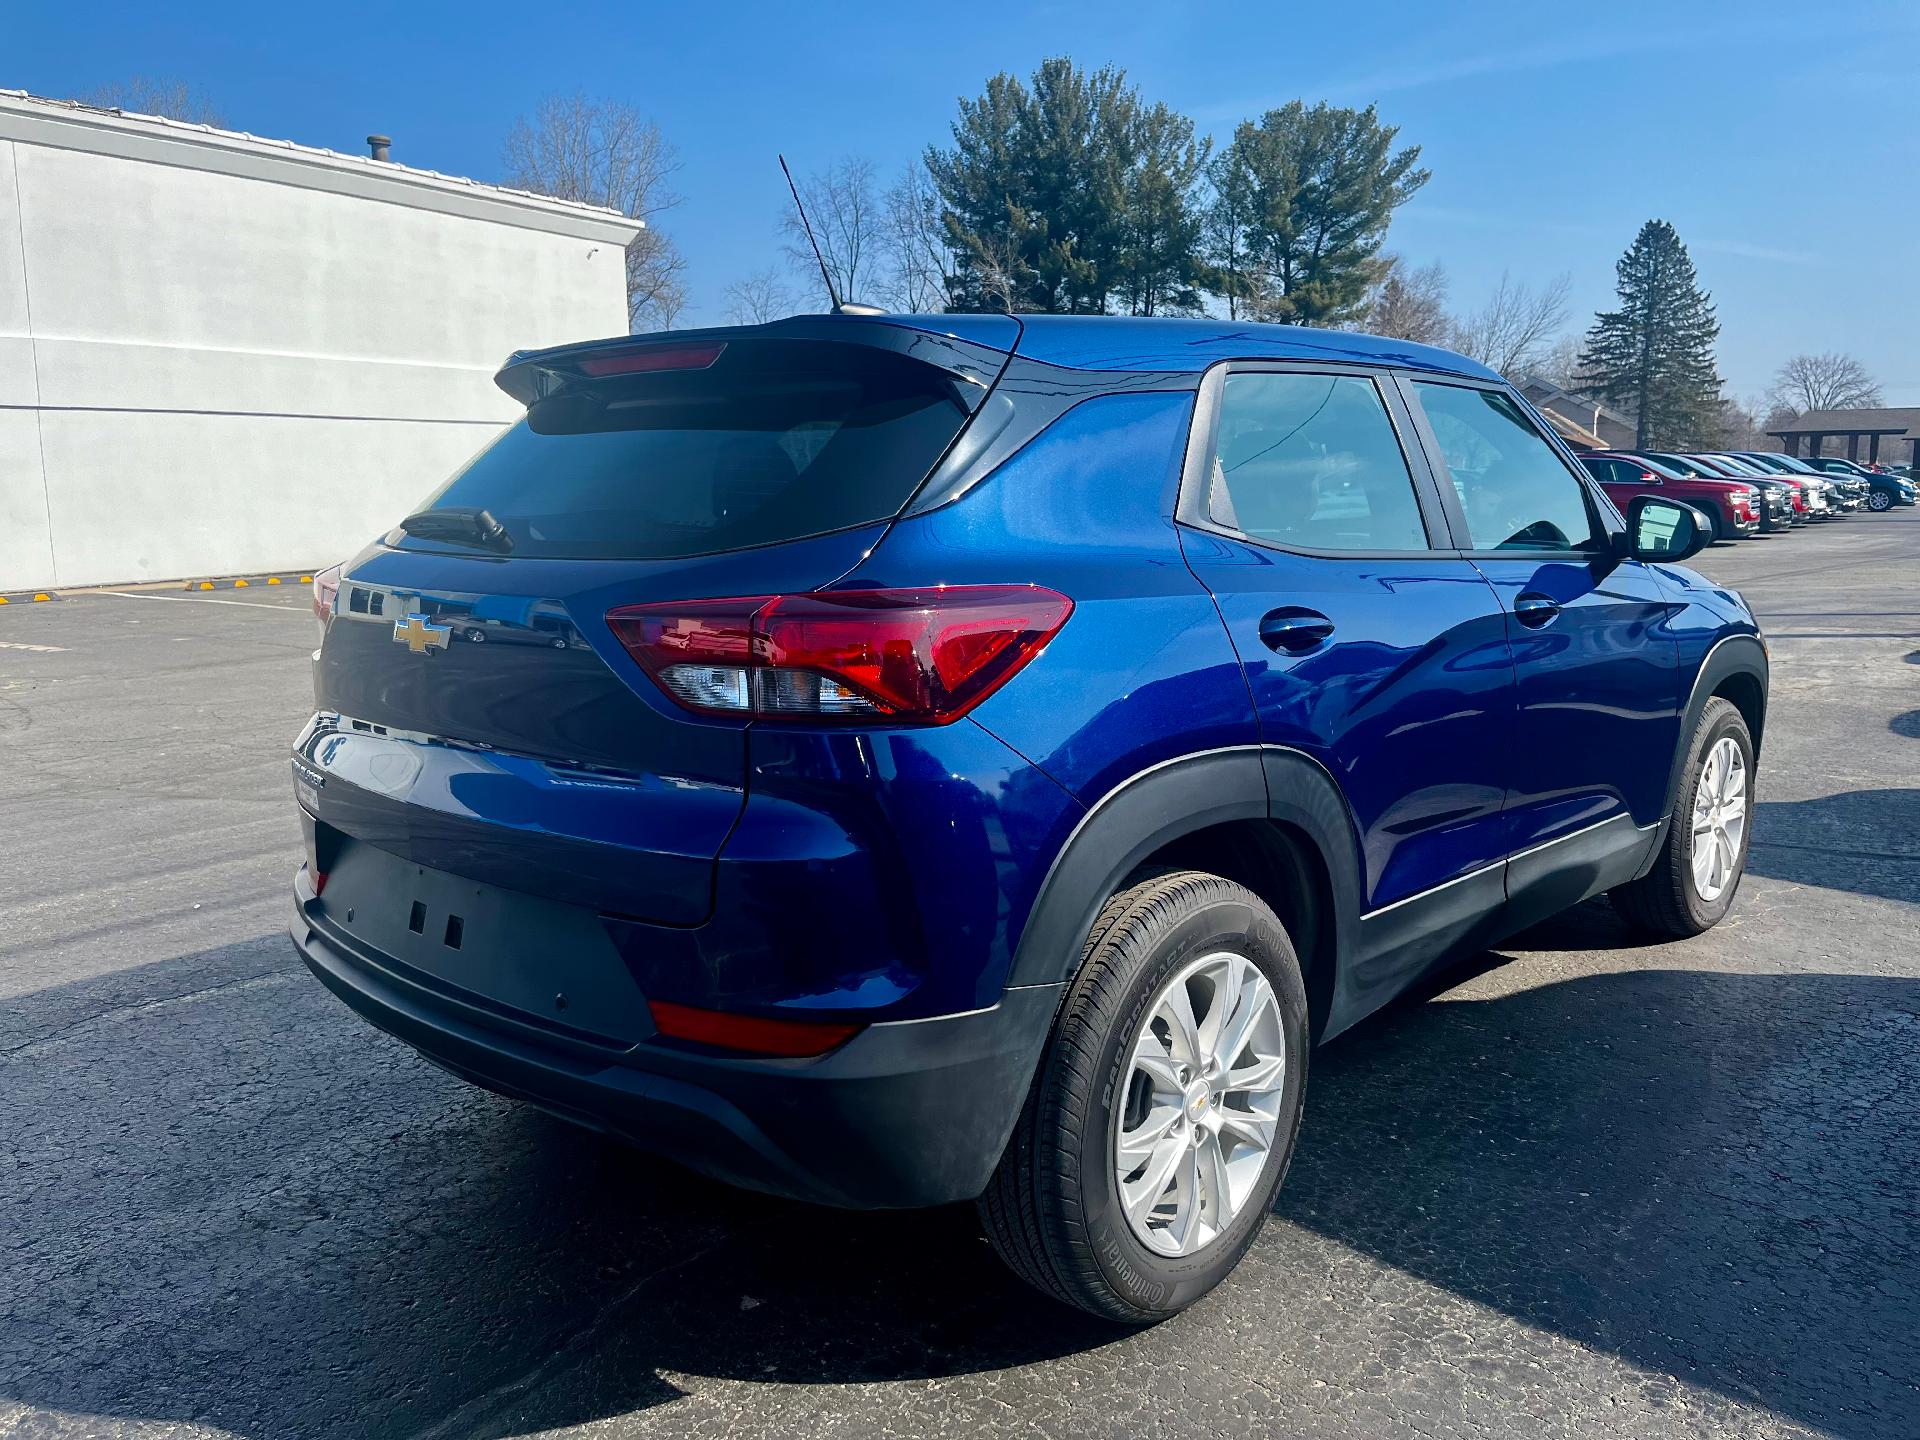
x=1659, y=529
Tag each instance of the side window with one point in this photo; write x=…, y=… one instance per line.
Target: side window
x=1604, y=470
x=1312, y=461
x=1514, y=490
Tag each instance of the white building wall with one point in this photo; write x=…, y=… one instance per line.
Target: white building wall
x=222, y=357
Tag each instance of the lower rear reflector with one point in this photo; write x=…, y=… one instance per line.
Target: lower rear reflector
x=749, y=1034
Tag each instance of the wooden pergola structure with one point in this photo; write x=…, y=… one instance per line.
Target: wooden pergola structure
x=1897, y=427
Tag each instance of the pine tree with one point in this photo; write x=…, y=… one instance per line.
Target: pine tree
x=1654, y=355
x=1070, y=194
x=1319, y=187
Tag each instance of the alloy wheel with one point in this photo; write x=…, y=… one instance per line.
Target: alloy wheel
x=1879, y=500
x=1719, y=818
x=1201, y=1103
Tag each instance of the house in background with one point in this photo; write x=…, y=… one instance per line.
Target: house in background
x=1583, y=422
x=1898, y=429
x=221, y=354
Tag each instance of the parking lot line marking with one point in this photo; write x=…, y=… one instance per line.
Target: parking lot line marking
x=204, y=600
x=37, y=649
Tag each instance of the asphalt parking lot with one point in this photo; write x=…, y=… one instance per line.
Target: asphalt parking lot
x=1575, y=1189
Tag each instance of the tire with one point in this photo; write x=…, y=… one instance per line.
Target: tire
x=1054, y=1208
x=1879, y=500
x=1669, y=901
x=1719, y=527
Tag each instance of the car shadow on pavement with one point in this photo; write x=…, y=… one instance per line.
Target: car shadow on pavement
x=1863, y=841
x=1706, y=1174
x=251, y=1212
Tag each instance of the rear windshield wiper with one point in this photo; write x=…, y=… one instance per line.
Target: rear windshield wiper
x=460, y=525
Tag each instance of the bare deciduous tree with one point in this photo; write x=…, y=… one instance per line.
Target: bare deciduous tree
x=1558, y=363
x=920, y=270
x=849, y=222
x=1829, y=381
x=603, y=152
x=1512, y=330
x=147, y=95
x=1409, y=304
x=760, y=297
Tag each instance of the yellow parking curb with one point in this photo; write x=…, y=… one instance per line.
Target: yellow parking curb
x=26, y=597
x=243, y=582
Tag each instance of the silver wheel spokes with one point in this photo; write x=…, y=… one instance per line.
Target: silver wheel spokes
x=1719, y=818
x=1200, y=1107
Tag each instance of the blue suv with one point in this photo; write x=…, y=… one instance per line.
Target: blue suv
x=895, y=760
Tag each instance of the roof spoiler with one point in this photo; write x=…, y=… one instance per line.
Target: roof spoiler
x=531, y=375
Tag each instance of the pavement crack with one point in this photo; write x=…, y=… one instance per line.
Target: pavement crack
x=27, y=1047
x=468, y=1418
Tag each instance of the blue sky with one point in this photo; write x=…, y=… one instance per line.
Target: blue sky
x=1783, y=141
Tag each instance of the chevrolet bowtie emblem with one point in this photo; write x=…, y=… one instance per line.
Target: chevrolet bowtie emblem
x=420, y=635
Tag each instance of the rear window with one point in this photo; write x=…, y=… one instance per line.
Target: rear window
x=776, y=440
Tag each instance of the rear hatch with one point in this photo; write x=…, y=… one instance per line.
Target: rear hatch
x=477, y=714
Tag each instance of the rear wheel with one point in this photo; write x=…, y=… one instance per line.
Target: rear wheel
x=1164, y=1114
x=1704, y=853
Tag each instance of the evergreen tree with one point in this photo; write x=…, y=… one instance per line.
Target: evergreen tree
x=1157, y=269
x=1070, y=195
x=1654, y=355
x=1227, y=234
x=1319, y=187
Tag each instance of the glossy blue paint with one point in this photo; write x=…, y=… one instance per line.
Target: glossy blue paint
x=1091, y=342
x=1598, y=694
x=1408, y=700
x=1143, y=670
x=889, y=872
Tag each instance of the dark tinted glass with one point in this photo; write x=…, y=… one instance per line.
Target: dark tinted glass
x=1312, y=462
x=1516, y=493
x=775, y=441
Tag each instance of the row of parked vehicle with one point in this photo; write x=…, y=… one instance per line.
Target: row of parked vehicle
x=1751, y=492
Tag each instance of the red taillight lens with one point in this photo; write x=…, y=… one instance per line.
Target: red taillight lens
x=789, y=1039
x=922, y=656
x=326, y=587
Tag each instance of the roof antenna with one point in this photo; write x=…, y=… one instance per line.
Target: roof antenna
x=840, y=307
x=807, y=225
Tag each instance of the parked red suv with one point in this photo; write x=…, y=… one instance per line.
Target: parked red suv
x=1733, y=505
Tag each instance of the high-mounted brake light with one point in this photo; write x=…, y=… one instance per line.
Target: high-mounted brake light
x=912, y=656
x=654, y=358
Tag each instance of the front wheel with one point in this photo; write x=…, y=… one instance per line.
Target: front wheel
x=1164, y=1114
x=1879, y=500
x=1704, y=852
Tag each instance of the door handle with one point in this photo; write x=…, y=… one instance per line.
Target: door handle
x=1293, y=630
x=1532, y=609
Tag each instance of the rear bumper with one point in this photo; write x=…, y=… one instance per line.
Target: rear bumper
x=905, y=1114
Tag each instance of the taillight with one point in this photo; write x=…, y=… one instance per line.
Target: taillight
x=326, y=586
x=921, y=656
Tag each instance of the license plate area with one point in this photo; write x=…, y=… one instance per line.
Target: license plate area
x=534, y=959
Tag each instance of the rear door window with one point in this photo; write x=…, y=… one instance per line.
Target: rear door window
x=1312, y=462
x=1515, y=491
x=774, y=441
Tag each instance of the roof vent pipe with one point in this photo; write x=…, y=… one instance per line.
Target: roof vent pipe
x=377, y=145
